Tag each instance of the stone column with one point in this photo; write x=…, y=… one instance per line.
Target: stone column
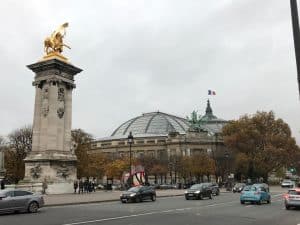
x=52, y=159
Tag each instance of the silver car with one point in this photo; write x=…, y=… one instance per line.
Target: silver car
x=19, y=200
x=292, y=198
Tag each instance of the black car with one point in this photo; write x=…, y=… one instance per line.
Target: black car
x=238, y=187
x=214, y=188
x=198, y=191
x=138, y=194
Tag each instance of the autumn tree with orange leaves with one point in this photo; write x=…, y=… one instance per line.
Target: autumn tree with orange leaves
x=261, y=144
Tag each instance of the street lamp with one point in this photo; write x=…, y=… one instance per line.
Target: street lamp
x=227, y=170
x=130, y=141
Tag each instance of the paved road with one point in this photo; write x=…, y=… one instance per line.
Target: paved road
x=224, y=210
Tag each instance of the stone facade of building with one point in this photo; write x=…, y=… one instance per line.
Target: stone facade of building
x=163, y=135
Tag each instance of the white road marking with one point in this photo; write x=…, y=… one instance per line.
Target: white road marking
x=145, y=214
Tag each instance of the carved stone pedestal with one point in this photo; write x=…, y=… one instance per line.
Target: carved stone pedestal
x=52, y=160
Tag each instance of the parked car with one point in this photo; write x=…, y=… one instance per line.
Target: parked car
x=257, y=193
x=138, y=194
x=214, y=188
x=198, y=191
x=292, y=198
x=18, y=200
x=287, y=184
x=167, y=186
x=238, y=187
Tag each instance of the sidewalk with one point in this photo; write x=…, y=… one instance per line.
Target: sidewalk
x=98, y=196
x=109, y=196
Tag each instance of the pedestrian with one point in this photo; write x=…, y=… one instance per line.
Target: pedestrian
x=86, y=186
x=94, y=185
x=75, y=186
x=2, y=184
x=80, y=186
x=44, y=186
x=90, y=186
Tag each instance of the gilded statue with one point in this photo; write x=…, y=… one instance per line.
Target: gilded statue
x=54, y=43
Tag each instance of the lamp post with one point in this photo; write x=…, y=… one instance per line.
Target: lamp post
x=2, y=169
x=130, y=141
x=227, y=170
x=296, y=34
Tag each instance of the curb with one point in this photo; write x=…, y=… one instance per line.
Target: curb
x=100, y=201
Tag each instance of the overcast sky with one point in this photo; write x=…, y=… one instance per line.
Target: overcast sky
x=142, y=56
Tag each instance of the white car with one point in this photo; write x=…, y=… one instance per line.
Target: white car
x=287, y=184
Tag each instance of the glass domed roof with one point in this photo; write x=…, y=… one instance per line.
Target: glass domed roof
x=152, y=124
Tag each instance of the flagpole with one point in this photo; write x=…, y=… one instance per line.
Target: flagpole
x=296, y=34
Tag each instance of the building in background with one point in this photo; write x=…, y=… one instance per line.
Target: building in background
x=163, y=135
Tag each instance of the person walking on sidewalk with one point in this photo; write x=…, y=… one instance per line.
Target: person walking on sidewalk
x=2, y=184
x=80, y=186
x=44, y=186
x=75, y=186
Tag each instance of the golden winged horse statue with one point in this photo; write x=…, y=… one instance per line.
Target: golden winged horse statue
x=54, y=43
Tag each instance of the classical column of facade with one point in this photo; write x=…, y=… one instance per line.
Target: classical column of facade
x=52, y=159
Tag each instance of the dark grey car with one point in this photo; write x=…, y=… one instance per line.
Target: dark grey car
x=138, y=194
x=19, y=200
x=198, y=191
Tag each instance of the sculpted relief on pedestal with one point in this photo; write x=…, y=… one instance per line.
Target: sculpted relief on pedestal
x=61, y=102
x=45, y=101
x=63, y=171
x=36, y=171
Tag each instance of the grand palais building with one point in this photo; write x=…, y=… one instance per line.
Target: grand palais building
x=162, y=135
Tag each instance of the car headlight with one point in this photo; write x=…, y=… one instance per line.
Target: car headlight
x=197, y=192
x=121, y=195
x=133, y=194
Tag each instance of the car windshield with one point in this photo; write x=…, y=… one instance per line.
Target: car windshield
x=287, y=181
x=294, y=192
x=253, y=188
x=247, y=188
x=134, y=189
x=196, y=186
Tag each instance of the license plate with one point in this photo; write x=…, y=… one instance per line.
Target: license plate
x=191, y=194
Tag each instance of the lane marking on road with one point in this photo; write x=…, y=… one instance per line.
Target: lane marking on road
x=146, y=214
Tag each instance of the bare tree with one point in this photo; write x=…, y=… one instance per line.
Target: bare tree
x=20, y=144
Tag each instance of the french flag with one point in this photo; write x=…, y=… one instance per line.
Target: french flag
x=211, y=92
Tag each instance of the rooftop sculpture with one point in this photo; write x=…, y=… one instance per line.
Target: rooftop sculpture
x=54, y=43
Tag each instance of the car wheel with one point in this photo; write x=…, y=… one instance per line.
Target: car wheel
x=269, y=201
x=153, y=198
x=242, y=202
x=187, y=198
x=287, y=207
x=200, y=197
x=138, y=199
x=218, y=192
x=33, y=207
x=210, y=196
